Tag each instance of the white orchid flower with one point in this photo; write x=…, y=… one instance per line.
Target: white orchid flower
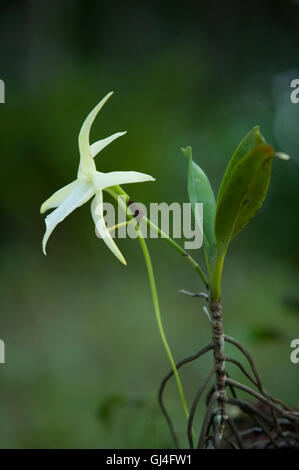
x=89, y=183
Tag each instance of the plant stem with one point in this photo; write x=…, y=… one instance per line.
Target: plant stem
x=152, y=282
x=219, y=358
x=215, y=279
x=154, y=293
x=118, y=191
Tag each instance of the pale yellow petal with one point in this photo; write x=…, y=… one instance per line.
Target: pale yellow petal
x=86, y=160
x=114, y=178
x=98, y=146
x=101, y=228
x=80, y=194
x=58, y=197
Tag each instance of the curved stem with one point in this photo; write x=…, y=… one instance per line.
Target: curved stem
x=118, y=191
x=152, y=282
x=235, y=433
x=265, y=431
x=259, y=384
x=241, y=367
x=249, y=409
x=195, y=403
x=206, y=421
x=287, y=414
x=179, y=364
x=122, y=224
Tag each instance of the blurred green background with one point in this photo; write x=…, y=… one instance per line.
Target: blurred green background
x=83, y=356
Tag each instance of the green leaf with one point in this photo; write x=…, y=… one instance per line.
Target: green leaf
x=243, y=194
x=200, y=190
x=251, y=140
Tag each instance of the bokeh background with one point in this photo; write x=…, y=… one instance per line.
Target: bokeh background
x=83, y=356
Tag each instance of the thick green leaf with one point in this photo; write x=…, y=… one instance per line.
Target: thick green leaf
x=251, y=140
x=243, y=194
x=200, y=190
x=255, y=196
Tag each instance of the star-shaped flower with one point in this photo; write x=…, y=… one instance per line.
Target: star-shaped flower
x=89, y=183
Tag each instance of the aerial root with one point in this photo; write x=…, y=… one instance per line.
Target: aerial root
x=270, y=422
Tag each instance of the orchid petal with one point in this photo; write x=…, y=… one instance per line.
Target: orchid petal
x=80, y=194
x=58, y=197
x=98, y=146
x=86, y=162
x=101, y=228
x=114, y=178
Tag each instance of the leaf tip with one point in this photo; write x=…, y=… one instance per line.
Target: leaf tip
x=187, y=151
x=282, y=156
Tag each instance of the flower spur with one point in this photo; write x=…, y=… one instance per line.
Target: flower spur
x=89, y=183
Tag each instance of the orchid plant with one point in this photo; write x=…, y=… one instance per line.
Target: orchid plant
x=241, y=194
x=91, y=183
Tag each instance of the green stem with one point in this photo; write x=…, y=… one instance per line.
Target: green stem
x=216, y=275
x=118, y=191
x=122, y=224
x=152, y=282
